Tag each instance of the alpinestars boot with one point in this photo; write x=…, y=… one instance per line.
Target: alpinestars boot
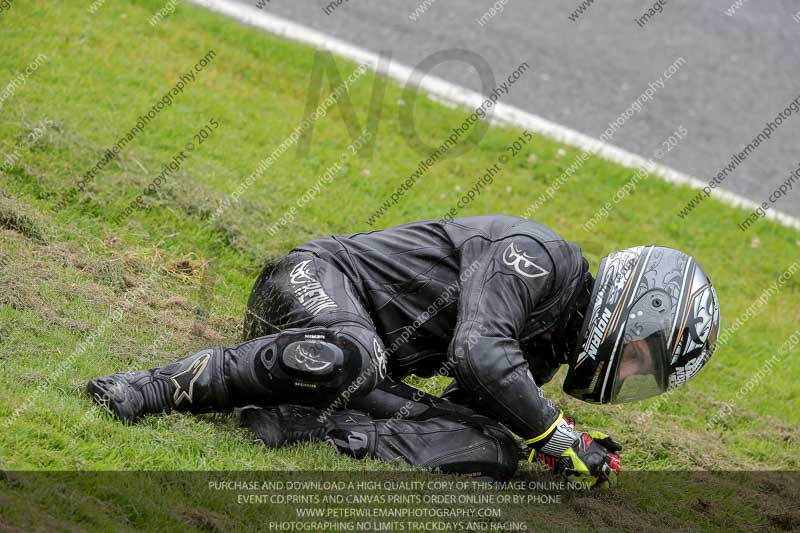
x=195, y=383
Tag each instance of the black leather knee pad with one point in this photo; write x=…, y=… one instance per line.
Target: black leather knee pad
x=310, y=366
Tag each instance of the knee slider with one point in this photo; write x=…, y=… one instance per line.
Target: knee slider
x=309, y=356
x=322, y=361
x=314, y=360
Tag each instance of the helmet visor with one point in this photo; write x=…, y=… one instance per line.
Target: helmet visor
x=639, y=374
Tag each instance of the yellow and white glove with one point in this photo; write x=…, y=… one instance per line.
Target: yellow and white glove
x=588, y=458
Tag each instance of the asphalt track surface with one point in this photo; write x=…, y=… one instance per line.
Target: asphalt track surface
x=739, y=72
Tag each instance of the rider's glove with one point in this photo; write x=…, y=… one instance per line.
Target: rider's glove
x=589, y=458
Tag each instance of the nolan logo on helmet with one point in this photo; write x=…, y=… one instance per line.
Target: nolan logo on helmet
x=617, y=271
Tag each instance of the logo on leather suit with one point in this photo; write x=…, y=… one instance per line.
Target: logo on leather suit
x=184, y=381
x=310, y=360
x=522, y=263
x=380, y=357
x=308, y=290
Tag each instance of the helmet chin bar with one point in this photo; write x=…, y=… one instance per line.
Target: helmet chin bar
x=651, y=324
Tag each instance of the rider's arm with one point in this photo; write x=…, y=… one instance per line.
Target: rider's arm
x=505, y=283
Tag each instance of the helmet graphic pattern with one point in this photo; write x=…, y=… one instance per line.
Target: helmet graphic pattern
x=651, y=300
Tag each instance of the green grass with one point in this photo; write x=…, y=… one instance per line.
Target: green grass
x=180, y=280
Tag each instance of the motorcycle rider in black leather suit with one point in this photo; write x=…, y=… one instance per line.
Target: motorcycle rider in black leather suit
x=496, y=302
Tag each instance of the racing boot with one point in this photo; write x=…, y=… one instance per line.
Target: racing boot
x=195, y=383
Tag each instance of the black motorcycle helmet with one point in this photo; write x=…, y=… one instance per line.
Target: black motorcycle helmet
x=651, y=325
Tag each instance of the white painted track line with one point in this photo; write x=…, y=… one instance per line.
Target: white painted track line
x=503, y=113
